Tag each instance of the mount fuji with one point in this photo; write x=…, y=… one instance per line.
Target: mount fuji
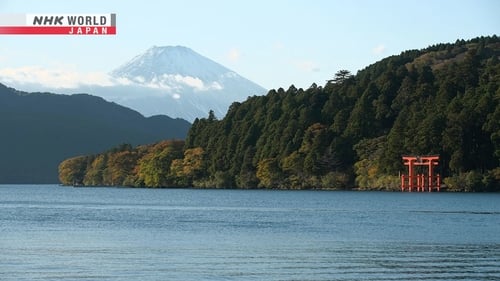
x=178, y=82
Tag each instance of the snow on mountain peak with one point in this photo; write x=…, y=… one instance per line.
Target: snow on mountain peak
x=156, y=62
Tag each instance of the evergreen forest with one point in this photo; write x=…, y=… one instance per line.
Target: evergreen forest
x=349, y=133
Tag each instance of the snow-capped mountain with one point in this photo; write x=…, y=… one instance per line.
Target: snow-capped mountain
x=178, y=82
x=180, y=60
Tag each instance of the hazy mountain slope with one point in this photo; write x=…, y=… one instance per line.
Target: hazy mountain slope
x=39, y=130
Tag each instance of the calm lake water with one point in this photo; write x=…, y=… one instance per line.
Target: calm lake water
x=49, y=232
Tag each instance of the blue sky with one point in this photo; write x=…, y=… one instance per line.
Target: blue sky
x=274, y=43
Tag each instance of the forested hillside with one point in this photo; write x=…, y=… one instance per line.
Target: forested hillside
x=348, y=133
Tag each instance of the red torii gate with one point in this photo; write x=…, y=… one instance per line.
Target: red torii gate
x=420, y=182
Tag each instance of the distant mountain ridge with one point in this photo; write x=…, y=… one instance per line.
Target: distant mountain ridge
x=169, y=80
x=39, y=130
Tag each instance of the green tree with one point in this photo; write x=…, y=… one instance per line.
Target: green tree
x=293, y=166
x=362, y=122
x=341, y=76
x=154, y=168
x=369, y=174
x=94, y=174
x=247, y=177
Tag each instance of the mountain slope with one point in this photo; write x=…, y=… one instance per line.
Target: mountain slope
x=177, y=81
x=39, y=130
x=444, y=99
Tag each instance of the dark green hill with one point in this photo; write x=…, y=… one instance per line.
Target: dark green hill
x=351, y=132
x=39, y=130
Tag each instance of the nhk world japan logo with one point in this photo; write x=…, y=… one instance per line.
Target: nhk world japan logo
x=58, y=24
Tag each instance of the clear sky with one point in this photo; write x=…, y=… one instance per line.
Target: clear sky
x=274, y=43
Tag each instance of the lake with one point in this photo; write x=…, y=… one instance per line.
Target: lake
x=49, y=232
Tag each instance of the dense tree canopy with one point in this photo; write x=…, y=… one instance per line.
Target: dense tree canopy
x=350, y=133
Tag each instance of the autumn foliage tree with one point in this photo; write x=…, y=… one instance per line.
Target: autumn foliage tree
x=72, y=171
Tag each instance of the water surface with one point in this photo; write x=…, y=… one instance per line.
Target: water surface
x=49, y=232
